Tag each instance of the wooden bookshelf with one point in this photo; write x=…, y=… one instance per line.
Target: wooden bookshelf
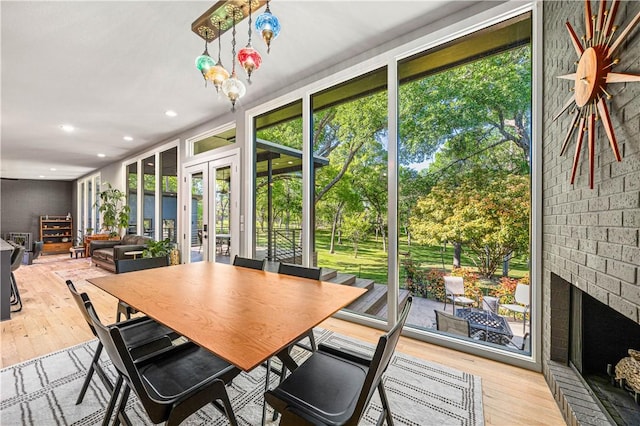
x=57, y=234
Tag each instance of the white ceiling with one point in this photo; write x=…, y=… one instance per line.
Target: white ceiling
x=112, y=69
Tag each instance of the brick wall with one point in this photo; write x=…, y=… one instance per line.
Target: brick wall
x=590, y=236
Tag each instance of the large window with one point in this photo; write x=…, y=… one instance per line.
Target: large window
x=350, y=186
x=156, y=173
x=278, y=184
x=88, y=208
x=169, y=190
x=132, y=197
x=464, y=185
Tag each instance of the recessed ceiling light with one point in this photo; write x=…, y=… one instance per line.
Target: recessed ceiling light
x=127, y=138
x=101, y=155
x=67, y=127
x=41, y=176
x=171, y=113
x=53, y=169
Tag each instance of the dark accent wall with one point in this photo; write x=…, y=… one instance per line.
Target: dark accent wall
x=590, y=236
x=23, y=201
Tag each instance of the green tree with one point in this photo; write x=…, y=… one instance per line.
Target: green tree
x=355, y=227
x=490, y=96
x=488, y=213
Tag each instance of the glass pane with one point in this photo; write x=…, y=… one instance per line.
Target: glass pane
x=149, y=204
x=222, y=214
x=464, y=186
x=218, y=140
x=82, y=224
x=350, y=166
x=96, y=204
x=132, y=197
x=278, y=202
x=89, y=205
x=169, y=191
x=196, y=221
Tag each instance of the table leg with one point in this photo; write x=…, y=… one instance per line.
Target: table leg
x=287, y=360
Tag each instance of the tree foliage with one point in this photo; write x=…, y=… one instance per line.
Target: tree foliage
x=489, y=215
x=491, y=96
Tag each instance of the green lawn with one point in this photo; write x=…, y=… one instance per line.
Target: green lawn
x=372, y=261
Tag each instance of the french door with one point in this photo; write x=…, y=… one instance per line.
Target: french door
x=212, y=214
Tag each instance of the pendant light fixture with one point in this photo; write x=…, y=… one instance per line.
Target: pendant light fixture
x=217, y=74
x=249, y=57
x=204, y=62
x=269, y=26
x=233, y=88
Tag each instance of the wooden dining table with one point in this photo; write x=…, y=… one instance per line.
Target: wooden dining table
x=242, y=315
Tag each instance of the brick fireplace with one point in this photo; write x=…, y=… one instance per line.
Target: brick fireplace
x=590, y=236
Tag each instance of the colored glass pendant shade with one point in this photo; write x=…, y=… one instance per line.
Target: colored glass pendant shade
x=217, y=75
x=204, y=62
x=234, y=89
x=250, y=60
x=269, y=27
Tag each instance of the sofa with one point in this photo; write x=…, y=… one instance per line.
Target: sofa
x=106, y=253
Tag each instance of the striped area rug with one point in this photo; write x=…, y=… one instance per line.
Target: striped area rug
x=42, y=391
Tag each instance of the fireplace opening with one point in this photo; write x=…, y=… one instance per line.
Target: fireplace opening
x=601, y=336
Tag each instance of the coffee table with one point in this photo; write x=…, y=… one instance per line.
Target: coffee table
x=76, y=250
x=134, y=253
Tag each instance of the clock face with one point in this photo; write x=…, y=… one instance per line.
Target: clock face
x=588, y=78
x=596, y=51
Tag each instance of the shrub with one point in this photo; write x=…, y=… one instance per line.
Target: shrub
x=434, y=284
x=414, y=277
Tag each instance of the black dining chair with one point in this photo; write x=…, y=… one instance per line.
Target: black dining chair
x=141, y=335
x=303, y=272
x=171, y=384
x=247, y=262
x=334, y=386
x=16, y=261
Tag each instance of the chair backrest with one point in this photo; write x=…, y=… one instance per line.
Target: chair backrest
x=16, y=257
x=453, y=285
x=379, y=363
x=246, y=262
x=81, y=299
x=299, y=271
x=522, y=294
x=111, y=339
x=37, y=249
x=452, y=324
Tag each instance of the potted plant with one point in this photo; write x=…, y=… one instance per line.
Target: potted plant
x=114, y=209
x=157, y=248
x=155, y=255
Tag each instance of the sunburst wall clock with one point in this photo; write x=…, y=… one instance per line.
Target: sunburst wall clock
x=596, y=51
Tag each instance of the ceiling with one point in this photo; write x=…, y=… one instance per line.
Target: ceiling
x=112, y=69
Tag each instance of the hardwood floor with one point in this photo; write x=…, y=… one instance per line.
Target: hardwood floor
x=51, y=321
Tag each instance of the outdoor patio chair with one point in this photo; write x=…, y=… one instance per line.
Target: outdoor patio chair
x=522, y=303
x=141, y=335
x=171, y=384
x=246, y=262
x=334, y=386
x=454, y=291
x=452, y=324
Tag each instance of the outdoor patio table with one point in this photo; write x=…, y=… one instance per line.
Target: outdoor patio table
x=494, y=327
